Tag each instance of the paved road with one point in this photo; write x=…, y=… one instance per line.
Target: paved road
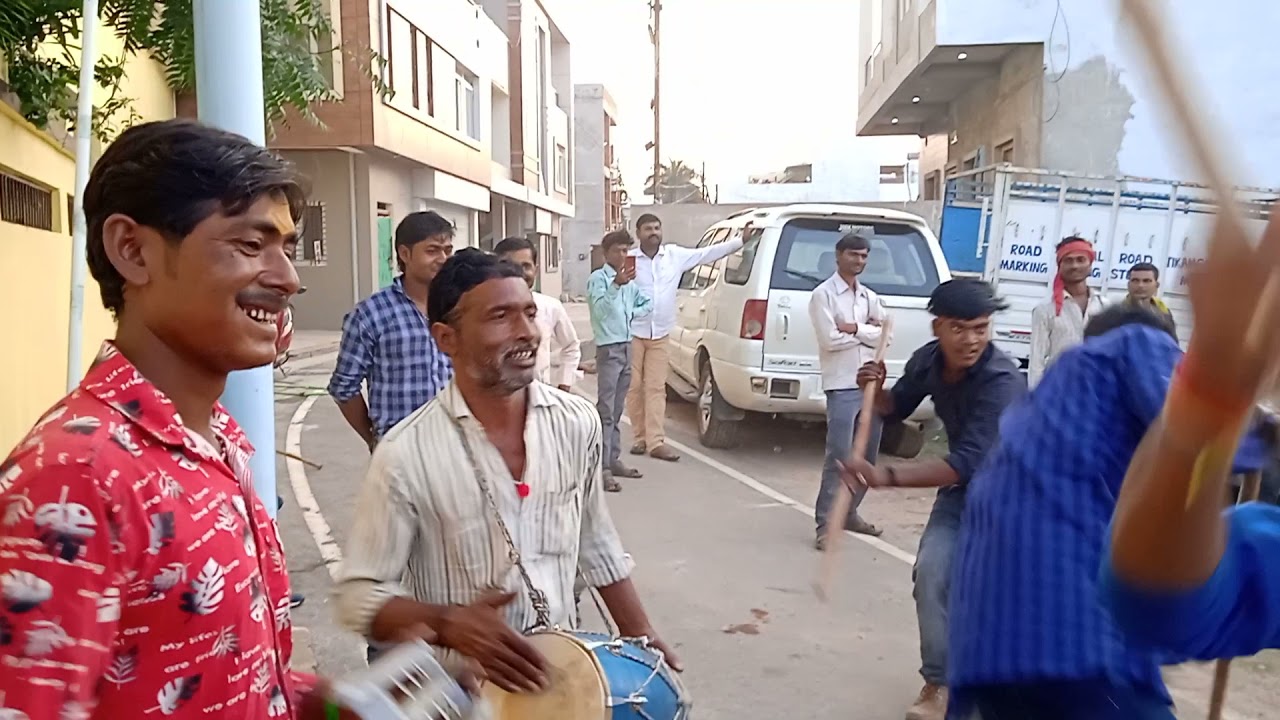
x=724, y=565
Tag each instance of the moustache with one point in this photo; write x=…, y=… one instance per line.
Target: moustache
x=265, y=299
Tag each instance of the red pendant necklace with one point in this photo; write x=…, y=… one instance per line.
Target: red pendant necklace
x=522, y=489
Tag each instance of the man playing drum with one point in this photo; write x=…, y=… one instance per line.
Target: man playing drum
x=487, y=501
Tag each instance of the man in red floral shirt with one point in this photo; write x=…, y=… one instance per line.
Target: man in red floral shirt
x=139, y=572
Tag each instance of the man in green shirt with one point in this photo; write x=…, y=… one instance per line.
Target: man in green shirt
x=614, y=301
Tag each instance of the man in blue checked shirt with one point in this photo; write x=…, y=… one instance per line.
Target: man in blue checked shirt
x=614, y=301
x=971, y=382
x=1029, y=637
x=386, y=340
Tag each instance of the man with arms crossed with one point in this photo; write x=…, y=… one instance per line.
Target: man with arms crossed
x=386, y=341
x=615, y=301
x=846, y=317
x=481, y=508
x=559, y=353
x=658, y=270
x=971, y=382
x=1058, y=323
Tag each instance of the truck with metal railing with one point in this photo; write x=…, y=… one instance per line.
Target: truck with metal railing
x=1002, y=223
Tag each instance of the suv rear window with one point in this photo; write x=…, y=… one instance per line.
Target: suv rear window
x=900, y=262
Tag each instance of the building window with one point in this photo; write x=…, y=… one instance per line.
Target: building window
x=467, y=104
x=311, y=245
x=931, y=183
x=1004, y=152
x=562, y=167
x=552, y=254
x=23, y=203
x=893, y=174
x=409, y=65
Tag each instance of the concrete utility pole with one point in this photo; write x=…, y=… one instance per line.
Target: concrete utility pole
x=228, y=39
x=79, y=231
x=656, y=34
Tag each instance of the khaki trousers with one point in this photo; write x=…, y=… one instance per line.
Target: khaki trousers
x=647, y=398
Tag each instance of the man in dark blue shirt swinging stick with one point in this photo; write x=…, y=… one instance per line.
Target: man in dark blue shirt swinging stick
x=971, y=382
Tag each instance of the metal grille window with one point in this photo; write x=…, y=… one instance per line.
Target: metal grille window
x=23, y=203
x=311, y=245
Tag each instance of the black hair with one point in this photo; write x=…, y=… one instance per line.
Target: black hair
x=170, y=176
x=463, y=271
x=515, y=245
x=853, y=240
x=1145, y=267
x=1118, y=316
x=617, y=237
x=1069, y=239
x=965, y=299
x=417, y=227
x=647, y=218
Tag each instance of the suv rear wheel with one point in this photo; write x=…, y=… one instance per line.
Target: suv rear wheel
x=713, y=429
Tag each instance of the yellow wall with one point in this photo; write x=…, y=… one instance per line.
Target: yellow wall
x=35, y=265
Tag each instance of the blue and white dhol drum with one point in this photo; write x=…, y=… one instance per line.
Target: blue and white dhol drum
x=596, y=677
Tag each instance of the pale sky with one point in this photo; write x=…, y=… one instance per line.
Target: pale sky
x=748, y=86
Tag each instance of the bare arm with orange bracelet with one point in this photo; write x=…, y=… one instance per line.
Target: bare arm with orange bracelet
x=1181, y=574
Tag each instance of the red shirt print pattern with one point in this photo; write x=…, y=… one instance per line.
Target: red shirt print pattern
x=140, y=576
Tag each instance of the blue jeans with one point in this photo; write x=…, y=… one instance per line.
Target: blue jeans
x=931, y=578
x=843, y=408
x=1067, y=700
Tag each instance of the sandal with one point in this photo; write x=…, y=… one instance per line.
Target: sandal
x=862, y=527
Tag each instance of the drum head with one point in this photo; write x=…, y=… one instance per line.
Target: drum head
x=577, y=690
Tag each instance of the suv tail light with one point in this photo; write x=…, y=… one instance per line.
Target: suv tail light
x=753, y=316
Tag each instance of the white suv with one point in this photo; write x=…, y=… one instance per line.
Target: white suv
x=743, y=341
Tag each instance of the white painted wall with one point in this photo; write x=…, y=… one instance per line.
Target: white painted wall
x=1226, y=46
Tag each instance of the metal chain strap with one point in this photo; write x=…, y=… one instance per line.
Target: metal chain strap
x=541, y=608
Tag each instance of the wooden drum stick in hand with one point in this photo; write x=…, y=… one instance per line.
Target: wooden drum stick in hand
x=844, y=495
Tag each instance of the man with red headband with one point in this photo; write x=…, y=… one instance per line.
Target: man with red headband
x=1058, y=323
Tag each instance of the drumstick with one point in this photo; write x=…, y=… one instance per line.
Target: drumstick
x=1222, y=668
x=844, y=495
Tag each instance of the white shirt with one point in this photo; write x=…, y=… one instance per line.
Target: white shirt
x=425, y=529
x=840, y=353
x=1053, y=333
x=559, y=353
x=659, y=276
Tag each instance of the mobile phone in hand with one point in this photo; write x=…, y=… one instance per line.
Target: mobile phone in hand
x=630, y=263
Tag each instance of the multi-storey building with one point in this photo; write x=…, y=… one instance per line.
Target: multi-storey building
x=1043, y=83
x=599, y=198
x=468, y=122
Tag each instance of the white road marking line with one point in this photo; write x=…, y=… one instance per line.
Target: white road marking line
x=330, y=552
x=891, y=550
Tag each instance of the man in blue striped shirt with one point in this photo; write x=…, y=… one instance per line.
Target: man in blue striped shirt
x=1180, y=574
x=1029, y=638
x=386, y=340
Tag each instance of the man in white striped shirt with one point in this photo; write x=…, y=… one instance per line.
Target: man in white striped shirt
x=496, y=467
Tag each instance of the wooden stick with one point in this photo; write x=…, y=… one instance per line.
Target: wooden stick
x=844, y=495
x=299, y=458
x=1249, y=490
